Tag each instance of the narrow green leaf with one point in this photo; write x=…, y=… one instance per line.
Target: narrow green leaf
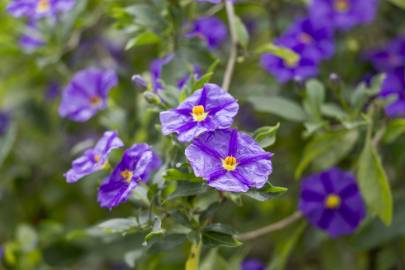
x=398, y=3
x=279, y=106
x=315, y=96
x=395, y=128
x=285, y=53
x=266, y=193
x=185, y=189
x=220, y=235
x=241, y=32
x=6, y=142
x=374, y=183
x=327, y=149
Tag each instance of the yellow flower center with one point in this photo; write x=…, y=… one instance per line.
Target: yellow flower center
x=305, y=38
x=97, y=157
x=341, y=5
x=291, y=62
x=229, y=163
x=95, y=101
x=43, y=6
x=127, y=175
x=333, y=201
x=199, y=113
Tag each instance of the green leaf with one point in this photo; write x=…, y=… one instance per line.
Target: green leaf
x=327, y=149
x=193, y=259
x=6, y=142
x=362, y=93
x=219, y=235
x=173, y=174
x=395, y=128
x=285, y=53
x=27, y=237
x=315, y=96
x=399, y=3
x=131, y=257
x=241, y=32
x=117, y=225
x=213, y=261
x=266, y=136
x=333, y=111
x=62, y=254
x=374, y=183
x=266, y=193
x=280, y=106
x=284, y=248
x=185, y=189
x=145, y=38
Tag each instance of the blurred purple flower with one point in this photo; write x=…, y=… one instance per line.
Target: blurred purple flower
x=314, y=41
x=94, y=159
x=197, y=73
x=87, y=93
x=252, y=264
x=304, y=67
x=391, y=57
x=139, y=82
x=394, y=85
x=206, y=109
x=52, y=91
x=135, y=166
x=155, y=69
x=4, y=122
x=31, y=39
x=211, y=29
x=39, y=8
x=331, y=201
x=343, y=14
x=229, y=160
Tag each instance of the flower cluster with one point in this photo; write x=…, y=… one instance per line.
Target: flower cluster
x=311, y=38
x=135, y=167
x=391, y=60
x=35, y=10
x=331, y=201
x=227, y=159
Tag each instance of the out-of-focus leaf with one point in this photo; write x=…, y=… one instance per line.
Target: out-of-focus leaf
x=327, y=149
x=173, y=174
x=398, y=3
x=266, y=193
x=27, y=237
x=374, y=183
x=185, y=189
x=62, y=254
x=332, y=110
x=266, y=136
x=375, y=233
x=118, y=225
x=363, y=92
x=220, y=235
x=279, y=106
x=157, y=231
x=213, y=261
x=6, y=142
x=131, y=257
x=284, y=248
x=145, y=38
x=285, y=53
x=241, y=32
x=395, y=128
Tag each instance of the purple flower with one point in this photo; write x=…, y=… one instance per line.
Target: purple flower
x=343, y=14
x=252, y=264
x=229, y=160
x=52, y=91
x=156, y=70
x=331, y=201
x=394, y=85
x=4, y=122
x=197, y=73
x=314, y=41
x=87, y=93
x=211, y=29
x=136, y=166
x=206, y=109
x=299, y=69
x=94, y=159
x=30, y=42
x=391, y=57
x=39, y=8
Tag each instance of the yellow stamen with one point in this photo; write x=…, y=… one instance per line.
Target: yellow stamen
x=97, y=157
x=43, y=6
x=305, y=38
x=341, y=5
x=95, y=101
x=127, y=175
x=229, y=163
x=199, y=113
x=292, y=61
x=333, y=201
